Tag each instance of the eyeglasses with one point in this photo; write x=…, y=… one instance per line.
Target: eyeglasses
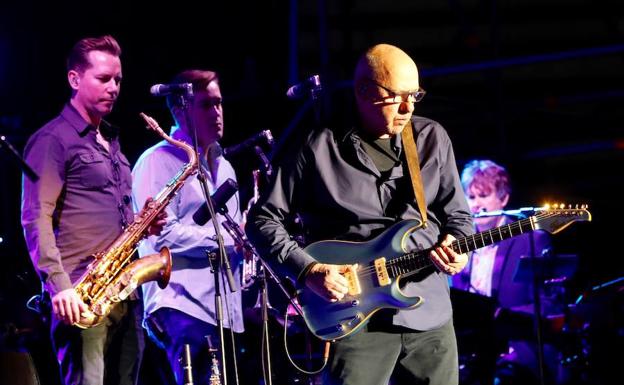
x=393, y=97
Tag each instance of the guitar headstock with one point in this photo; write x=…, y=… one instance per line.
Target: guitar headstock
x=556, y=217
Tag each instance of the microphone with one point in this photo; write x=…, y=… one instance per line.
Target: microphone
x=174, y=88
x=311, y=84
x=262, y=136
x=522, y=212
x=219, y=200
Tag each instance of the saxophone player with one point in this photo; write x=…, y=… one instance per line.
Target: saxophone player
x=79, y=205
x=184, y=311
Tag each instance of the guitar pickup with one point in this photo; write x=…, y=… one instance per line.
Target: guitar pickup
x=382, y=272
x=353, y=281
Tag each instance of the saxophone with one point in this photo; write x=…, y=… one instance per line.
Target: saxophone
x=113, y=276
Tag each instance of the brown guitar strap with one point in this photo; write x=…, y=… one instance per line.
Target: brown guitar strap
x=411, y=153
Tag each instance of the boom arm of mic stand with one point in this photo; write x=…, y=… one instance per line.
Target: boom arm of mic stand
x=30, y=173
x=235, y=232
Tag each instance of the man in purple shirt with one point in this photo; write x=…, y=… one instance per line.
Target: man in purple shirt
x=78, y=207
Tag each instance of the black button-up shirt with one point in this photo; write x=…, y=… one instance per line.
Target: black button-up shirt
x=81, y=202
x=339, y=193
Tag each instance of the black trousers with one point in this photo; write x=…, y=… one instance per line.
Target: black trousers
x=373, y=357
x=109, y=353
x=171, y=329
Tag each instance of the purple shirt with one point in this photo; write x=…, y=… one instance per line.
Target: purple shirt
x=81, y=202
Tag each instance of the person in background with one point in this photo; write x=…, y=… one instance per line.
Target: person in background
x=184, y=311
x=491, y=272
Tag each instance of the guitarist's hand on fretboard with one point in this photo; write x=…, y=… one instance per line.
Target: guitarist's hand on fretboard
x=445, y=259
x=328, y=281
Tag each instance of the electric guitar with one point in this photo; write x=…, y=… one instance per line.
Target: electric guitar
x=383, y=262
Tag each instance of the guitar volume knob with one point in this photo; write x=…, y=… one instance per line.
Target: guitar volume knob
x=355, y=302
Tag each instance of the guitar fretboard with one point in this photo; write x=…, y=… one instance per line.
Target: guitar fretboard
x=416, y=261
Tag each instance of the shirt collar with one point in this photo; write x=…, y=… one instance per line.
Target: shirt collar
x=178, y=134
x=353, y=134
x=71, y=115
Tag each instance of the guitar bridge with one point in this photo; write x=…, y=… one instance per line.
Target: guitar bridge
x=382, y=273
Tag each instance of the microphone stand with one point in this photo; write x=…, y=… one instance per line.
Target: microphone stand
x=315, y=93
x=537, y=309
x=268, y=377
x=28, y=171
x=239, y=236
x=220, y=261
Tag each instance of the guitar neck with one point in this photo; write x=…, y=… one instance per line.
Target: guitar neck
x=497, y=234
x=416, y=261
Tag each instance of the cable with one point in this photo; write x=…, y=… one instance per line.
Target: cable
x=325, y=352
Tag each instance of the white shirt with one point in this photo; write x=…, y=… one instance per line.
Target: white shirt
x=481, y=270
x=191, y=286
x=482, y=267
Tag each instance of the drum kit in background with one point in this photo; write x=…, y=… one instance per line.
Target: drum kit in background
x=581, y=339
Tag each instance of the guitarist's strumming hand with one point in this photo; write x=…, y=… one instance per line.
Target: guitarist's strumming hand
x=328, y=281
x=445, y=259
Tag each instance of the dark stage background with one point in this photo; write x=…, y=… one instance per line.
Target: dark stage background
x=537, y=86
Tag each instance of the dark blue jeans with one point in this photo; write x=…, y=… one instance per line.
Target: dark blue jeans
x=109, y=353
x=171, y=329
x=370, y=356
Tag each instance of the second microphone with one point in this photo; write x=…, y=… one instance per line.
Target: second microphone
x=219, y=201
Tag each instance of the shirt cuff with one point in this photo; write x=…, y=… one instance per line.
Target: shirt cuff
x=298, y=262
x=304, y=273
x=57, y=282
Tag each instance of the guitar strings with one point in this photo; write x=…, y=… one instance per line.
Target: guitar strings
x=455, y=245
